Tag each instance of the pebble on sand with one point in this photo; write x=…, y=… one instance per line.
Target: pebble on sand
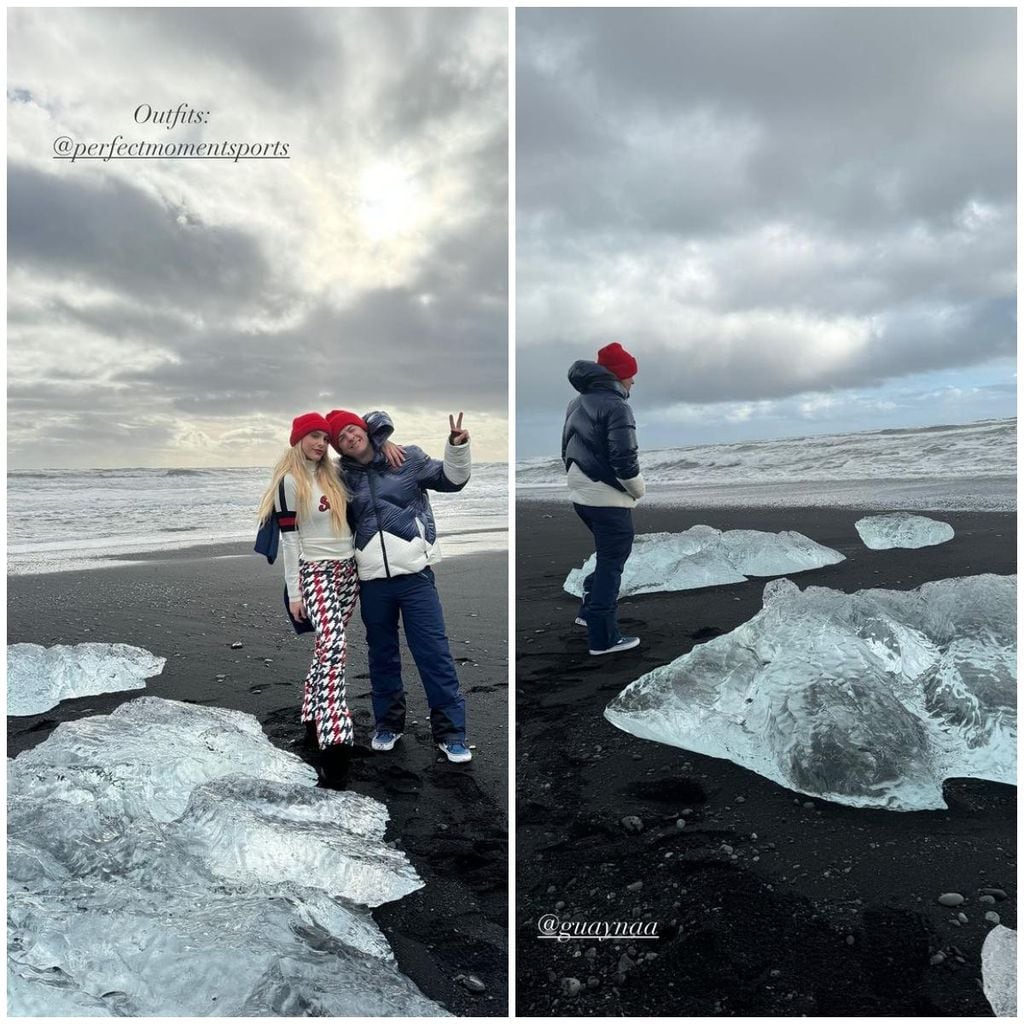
x=999, y=894
x=632, y=824
x=571, y=987
x=472, y=982
x=992, y=917
x=951, y=899
x=237, y=645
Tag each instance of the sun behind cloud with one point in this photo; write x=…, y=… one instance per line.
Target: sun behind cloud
x=390, y=200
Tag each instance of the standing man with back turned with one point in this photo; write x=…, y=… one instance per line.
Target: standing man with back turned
x=599, y=451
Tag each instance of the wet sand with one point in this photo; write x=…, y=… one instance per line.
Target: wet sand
x=765, y=902
x=451, y=820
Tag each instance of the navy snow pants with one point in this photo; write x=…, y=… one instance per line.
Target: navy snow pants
x=613, y=538
x=414, y=598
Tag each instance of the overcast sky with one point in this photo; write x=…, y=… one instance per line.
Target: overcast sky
x=799, y=221
x=180, y=312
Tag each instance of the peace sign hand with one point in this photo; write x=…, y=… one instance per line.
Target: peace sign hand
x=457, y=435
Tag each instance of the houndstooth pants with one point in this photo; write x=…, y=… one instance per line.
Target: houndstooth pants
x=329, y=591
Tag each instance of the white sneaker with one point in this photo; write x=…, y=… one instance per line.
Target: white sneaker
x=384, y=739
x=580, y=621
x=456, y=751
x=624, y=643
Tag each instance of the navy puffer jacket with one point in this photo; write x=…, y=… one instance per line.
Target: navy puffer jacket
x=600, y=432
x=389, y=510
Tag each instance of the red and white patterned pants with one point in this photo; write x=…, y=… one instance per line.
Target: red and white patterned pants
x=329, y=591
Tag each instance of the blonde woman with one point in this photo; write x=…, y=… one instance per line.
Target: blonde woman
x=320, y=574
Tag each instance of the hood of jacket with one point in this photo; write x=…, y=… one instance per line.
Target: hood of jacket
x=393, y=527
x=587, y=377
x=599, y=435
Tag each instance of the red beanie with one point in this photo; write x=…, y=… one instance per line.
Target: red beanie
x=306, y=424
x=618, y=360
x=339, y=419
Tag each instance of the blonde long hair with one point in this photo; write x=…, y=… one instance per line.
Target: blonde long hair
x=293, y=463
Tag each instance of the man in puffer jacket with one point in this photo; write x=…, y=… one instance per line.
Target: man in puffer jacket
x=603, y=473
x=395, y=542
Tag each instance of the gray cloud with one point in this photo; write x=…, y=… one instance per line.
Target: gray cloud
x=292, y=50
x=762, y=203
x=437, y=71
x=118, y=237
x=386, y=349
x=842, y=102
x=209, y=301
x=761, y=365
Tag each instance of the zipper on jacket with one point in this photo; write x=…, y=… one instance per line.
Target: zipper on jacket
x=380, y=528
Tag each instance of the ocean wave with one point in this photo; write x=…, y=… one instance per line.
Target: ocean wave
x=985, y=449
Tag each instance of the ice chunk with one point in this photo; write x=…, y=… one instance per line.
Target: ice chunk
x=273, y=832
x=167, y=859
x=49, y=994
x=39, y=678
x=902, y=530
x=999, y=971
x=221, y=954
x=705, y=557
x=147, y=756
x=869, y=699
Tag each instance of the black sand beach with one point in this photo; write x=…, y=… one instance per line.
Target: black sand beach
x=766, y=903
x=451, y=820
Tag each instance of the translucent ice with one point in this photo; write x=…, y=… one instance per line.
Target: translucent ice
x=705, y=557
x=999, y=970
x=169, y=860
x=869, y=699
x=145, y=758
x=902, y=530
x=39, y=678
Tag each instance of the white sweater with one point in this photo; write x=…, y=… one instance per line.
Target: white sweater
x=313, y=539
x=584, y=491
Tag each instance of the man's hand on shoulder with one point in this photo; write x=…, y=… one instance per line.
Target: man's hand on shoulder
x=394, y=453
x=457, y=435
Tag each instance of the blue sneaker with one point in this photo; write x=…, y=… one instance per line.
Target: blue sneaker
x=456, y=751
x=384, y=739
